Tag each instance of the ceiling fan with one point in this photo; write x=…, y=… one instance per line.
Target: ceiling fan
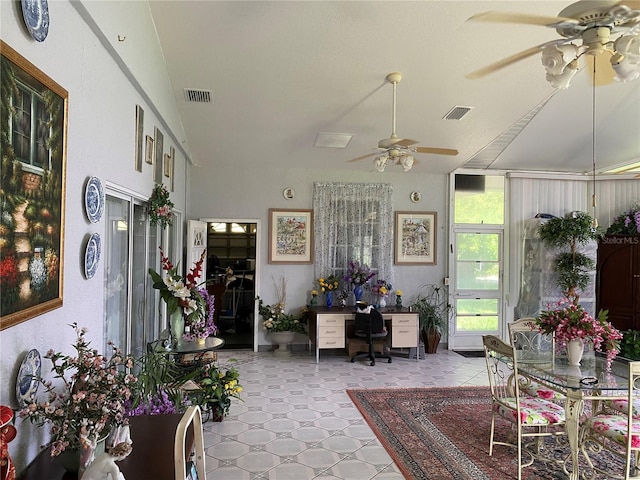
x=609, y=32
x=399, y=150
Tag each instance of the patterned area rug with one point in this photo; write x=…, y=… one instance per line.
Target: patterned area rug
x=442, y=433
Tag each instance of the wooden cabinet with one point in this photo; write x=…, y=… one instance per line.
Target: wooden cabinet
x=618, y=280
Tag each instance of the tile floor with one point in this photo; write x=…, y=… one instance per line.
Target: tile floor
x=297, y=422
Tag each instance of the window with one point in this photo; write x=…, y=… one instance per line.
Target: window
x=353, y=221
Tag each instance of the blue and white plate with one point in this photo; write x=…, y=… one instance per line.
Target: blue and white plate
x=92, y=255
x=26, y=383
x=94, y=200
x=36, y=18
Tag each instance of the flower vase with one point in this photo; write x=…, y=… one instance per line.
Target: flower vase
x=398, y=301
x=177, y=327
x=282, y=340
x=575, y=348
x=382, y=302
x=74, y=460
x=357, y=292
x=200, y=341
x=329, y=299
x=217, y=414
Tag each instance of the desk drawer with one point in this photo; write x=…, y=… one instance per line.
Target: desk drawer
x=331, y=331
x=331, y=342
x=405, y=320
x=331, y=321
x=404, y=336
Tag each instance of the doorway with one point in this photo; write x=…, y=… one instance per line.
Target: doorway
x=231, y=278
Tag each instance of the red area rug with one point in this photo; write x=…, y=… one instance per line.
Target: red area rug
x=442, y=433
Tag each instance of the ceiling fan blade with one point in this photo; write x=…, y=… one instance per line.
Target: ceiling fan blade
x=632, y=4
x=437, y=151
x=361, y=157
x=406, y=142
x=507, y=17
x=505, y=62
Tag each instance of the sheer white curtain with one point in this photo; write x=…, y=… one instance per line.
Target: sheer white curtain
x=353, y=221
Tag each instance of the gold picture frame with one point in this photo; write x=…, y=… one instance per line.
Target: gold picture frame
x=290, y=236
x=139, y=138
x=415, y=238
x=33, y=267
x=158, y=145
x=148, y=152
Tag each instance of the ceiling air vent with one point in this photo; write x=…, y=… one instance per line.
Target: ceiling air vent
x=197, y=96
x=456, y=113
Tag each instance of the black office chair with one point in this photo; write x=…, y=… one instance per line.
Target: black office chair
x=369, y=325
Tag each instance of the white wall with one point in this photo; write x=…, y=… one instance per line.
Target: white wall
x=230, y=191
x=101, y=133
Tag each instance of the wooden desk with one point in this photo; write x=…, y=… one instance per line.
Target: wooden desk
x=328, y=327
x=153, y=439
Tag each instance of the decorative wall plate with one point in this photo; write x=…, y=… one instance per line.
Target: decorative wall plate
x=92, y=255
x=415, y=197
x=94, y=199
x=288, y=193
x=36, y=18
x=26, y=384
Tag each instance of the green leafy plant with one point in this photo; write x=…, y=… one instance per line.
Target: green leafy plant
x=630, y=345
x=627, y=223
x=217, y=386
x=160, y=207
x=568, y=233
x=275, y=320
x=433, y=309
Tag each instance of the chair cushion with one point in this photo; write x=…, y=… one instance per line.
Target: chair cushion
x=533, y=411
x=622, y=406
x=614, y=427
x=540, y=391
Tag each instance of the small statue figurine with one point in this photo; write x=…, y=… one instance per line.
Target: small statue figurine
x=104, y=466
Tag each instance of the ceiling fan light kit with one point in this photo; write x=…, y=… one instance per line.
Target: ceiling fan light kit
x=596, y=23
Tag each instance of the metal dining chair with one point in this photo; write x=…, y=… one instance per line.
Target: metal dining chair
x=614, y=430
x=532, y=417
x=532, y=345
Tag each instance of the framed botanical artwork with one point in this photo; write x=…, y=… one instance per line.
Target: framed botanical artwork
x=290, y=236
x=148, y=151
x=139, y=138
x=158, y=145
x=33, y=190
x=172, y=168
x=415, y=238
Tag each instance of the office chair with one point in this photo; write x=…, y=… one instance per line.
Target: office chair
x=369, y=325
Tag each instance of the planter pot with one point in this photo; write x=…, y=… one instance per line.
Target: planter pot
x=431, y=340
x=382, y=303
x=282, y=340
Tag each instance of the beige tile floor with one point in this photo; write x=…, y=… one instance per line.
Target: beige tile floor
x=296, y=421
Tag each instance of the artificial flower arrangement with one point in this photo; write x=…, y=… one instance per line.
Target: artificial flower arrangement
x=160, y=207
x=343, y=295
x=570, y=321
x=89, y=401
x=381, y=288
x=358, y=274
x=184, y=295
x=275, y=320
x=627, y=223
x=398, y=297
x=328, y=284
x=217, y=386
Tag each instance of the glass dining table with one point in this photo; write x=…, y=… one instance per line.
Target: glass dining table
x=589, y=381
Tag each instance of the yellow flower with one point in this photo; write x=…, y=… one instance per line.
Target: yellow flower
x=314, y=292
x=399, y=292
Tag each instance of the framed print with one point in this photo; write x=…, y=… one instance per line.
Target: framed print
x=415, y=238
x=172, y=167
x=167, y=165
x=158, y=144
x=290, y=236
x=148, y=152
x=139, y=137
x=32, y=186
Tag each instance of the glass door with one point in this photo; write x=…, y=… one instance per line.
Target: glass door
x=477, y=289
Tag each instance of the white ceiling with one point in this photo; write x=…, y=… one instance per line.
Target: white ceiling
x=280, y=72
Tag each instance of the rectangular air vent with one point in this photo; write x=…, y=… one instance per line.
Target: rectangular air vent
x=456, y=113
x=198, y=96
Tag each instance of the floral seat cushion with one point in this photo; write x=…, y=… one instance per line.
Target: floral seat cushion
x=533, y=411
x=614, y=427
x=540, y=391
x=622, y=406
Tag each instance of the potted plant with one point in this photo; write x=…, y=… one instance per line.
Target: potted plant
x=217, y=386
x=567, y=234
x=433, y=315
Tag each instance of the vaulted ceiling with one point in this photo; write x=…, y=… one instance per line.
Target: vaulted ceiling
x=280, y=72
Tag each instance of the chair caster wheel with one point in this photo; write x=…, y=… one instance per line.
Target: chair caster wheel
x=353, y=360
x=389, y=361
x=372, y=364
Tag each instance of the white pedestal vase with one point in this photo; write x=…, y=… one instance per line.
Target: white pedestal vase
x=575, y=348
x=282, y=340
